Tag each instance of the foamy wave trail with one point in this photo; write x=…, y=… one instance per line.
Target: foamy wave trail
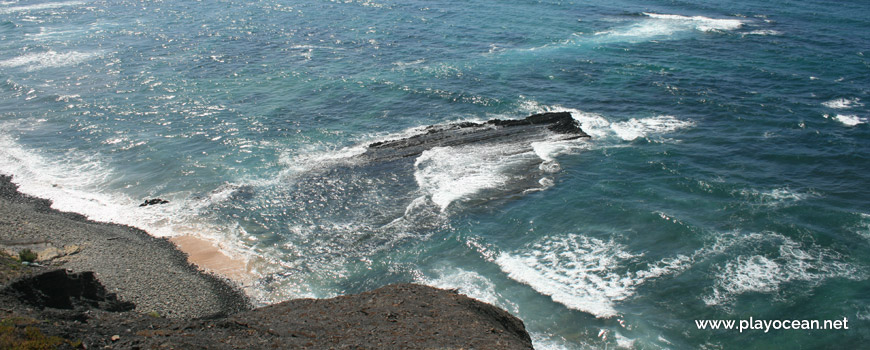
x=773, y=261
x=448, y=174
x=469, y=283
x=37, y=7
x=638, y=128
x=843, y=103
x=661, y=26
x=863, y=228
x=651, y=27
x=701, y=23
x=601, y=128
x=848, y=119
x=584, y=273
x=776, y=197
x=49, y=59
x=764, y=32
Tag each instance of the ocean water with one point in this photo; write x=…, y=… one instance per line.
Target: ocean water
x=727, y=176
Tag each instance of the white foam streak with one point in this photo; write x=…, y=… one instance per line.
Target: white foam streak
x=583, y=273
x=776, y=197
x=544, y=341
x=42, y=6
x=843, y=103
x=850, y=120
x=320, y=158
x=49, y=59
x=451, y=173
x=863, y=228
x=600, y=127
x=637, y=128
x=471, y=284
x=664, y=26
x=701, y=23
x=766, y=272
x=764, y=32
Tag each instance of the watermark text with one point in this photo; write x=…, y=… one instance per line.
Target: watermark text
x=767, y=325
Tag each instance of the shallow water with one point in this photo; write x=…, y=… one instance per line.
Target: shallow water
x=726, y=177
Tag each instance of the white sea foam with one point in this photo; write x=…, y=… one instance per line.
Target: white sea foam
x=592, y=275
x=401, y=64
x=42, y=6
x=45, y=34
x=776, y=197
x=623, y=342
x=600, y=127
x=545, y=341
x=863, y=228
x=664, y=26
x=451, y=173
x=843, y=103
x=850, y=119
x=652, y=27
x=584, y=273
x=701, y=23
x=49, y=59
x=765, y=272
x=469, y=283
x=315, y=157
x=764, y=32
x=637, y=128
x=76, y=182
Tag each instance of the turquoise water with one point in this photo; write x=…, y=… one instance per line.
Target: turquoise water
x=727, y=176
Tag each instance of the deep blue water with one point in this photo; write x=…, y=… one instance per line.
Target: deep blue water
x=727, y=177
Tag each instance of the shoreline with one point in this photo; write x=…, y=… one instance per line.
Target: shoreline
x=209, y=257
x=151, y=272
x=121, y=288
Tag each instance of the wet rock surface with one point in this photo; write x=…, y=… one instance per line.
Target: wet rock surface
x=153, y=201
x=559, y=125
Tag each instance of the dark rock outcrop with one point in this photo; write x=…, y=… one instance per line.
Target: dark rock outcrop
x=400, y=316
x=153, y=201
x=558, y=125
x=61, y=289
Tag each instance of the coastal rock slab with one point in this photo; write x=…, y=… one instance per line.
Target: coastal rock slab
x=558, y=125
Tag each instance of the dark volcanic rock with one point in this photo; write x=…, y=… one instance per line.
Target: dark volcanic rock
x=61, y=289
x=539, y=126
x=402, y=316
x=395, y=316
x=153, y=202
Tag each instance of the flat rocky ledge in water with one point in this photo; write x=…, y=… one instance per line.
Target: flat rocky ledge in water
x=537, y=127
